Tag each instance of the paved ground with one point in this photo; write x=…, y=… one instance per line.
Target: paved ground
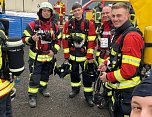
x=58, y=105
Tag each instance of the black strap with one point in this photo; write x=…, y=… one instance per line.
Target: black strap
x=130, y=29
x=148, y=44
x=86, y=26
x=71, y=26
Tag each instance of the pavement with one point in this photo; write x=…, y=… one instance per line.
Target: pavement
x=59, y=104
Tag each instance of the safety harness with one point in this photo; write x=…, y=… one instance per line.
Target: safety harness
x=75, y=37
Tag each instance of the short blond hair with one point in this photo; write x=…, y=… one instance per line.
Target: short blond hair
x=121, y=5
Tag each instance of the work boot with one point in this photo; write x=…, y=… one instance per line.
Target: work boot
x=89, y=101
x=44, y=92
x=73, y=93
x=32, y=102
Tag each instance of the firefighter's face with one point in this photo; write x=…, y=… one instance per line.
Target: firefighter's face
x=78, y=13
x=141, y=106
x=106, y=13
x=119, y=17
x=46, y=13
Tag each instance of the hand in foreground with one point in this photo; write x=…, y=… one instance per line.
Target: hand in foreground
x=103, y=77
x=51, y=53
x=35, y=37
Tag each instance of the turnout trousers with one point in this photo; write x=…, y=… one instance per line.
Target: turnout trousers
x=76, y=80
x=5, y=106
x=121, y=102
x=39, y=77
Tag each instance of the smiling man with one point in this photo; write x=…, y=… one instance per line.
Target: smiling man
x=142, y=99
x=79, y=44
x=121, y=71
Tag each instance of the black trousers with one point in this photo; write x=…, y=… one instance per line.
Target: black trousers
x=5, y=106
x=39, y=73
x=75, y=77
x=122, y=102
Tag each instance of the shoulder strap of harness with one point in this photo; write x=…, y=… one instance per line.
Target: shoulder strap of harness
x=86, y=26
x=133, y=29
x=71, y=26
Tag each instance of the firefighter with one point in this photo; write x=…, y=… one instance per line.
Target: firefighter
x=60, y=8
x=6, y=83
x=79, y=44
x=105, y=36
x=142, y=99
x=121, y=71
x=43, y=37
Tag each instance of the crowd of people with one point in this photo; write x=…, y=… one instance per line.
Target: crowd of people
x=118, y=45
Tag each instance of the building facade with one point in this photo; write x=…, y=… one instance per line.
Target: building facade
x=32, y=5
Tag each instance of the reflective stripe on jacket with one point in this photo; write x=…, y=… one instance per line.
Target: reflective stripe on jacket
x=125, y=62
x=5, y=87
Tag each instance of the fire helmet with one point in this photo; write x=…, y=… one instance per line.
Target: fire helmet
x=63, y=70
x=46, y=5
x=90, y=70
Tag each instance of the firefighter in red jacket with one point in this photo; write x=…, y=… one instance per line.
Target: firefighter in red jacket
x=43, y=37
x=121, y=71
x=105, y=35
x=6, y=83
x=79, y=44
x=60, y=8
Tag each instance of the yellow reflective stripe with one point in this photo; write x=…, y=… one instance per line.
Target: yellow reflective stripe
x=118, y=76
x=42, y=83
x=90, y=51
x=88, y=89
x=7, y=88
x=27, y=33
x=26, y=40
x=0, y=58
x=33, y=90
x=78, y=59
x=91, y=38
x=4, y=84
x=41, y=58
x=56, y=46
x=126, y=116
x=60, y=14
x=126, y=84
x=73, y=84
x=79, y=35
x=59, y=36
x=131, y=60
x=113, y=99
x=67, y=36
x=66, y=50
x=97, y=53
x=107, y=86
x=100, y=60
x=109, y=93
x=113, y=52
x=63, y=36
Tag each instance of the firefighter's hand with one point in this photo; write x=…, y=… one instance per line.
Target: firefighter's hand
x=102, y=67
x=103, y=77
x=90, y=60
x=35, y=37
x=51, y=53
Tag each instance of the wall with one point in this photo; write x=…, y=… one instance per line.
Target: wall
x=31, y=5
